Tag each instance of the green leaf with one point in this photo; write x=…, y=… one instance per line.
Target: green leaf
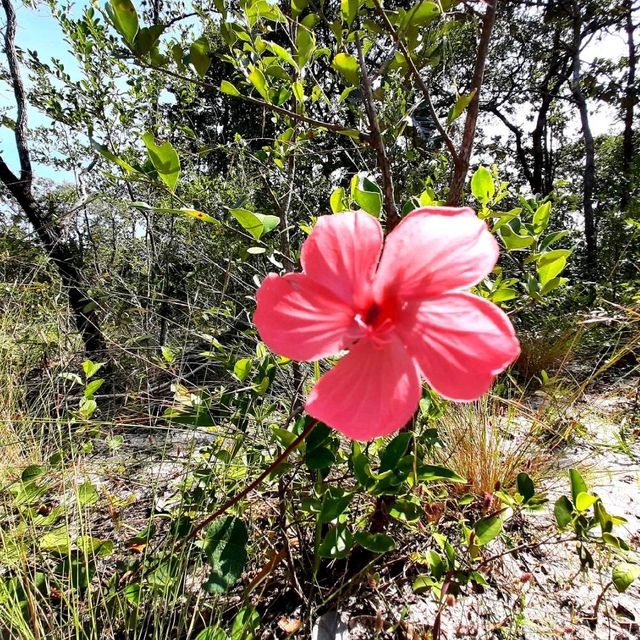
x=337, y=543
x=305, y=44
x=32, y=472
x=90, y=546
x=482, y=185
x=367, y=195
x=165, y=160
x=549, y=239
x=486, y=529
x=199, y=56
x=433, y=473
x=262, y=386
x=424, y=583
x=553, y=284
x=298, y=6
x=421, y=14
x=298, y=91
x=614, y=541
x=361, y=466
x=283, y=54
x=132, y=593
x=525, y=486
x=226, y=547
x=229, y=89
x=504, y=217
x=319, y=458
x=437, y=564
x=245, y=624
x=242, y=368
x=503, y=294
x=255, y=223
x=514, y=241
x=348, y=67
x=394, y=451
x=541, y=217
x=92, y=387
x=91, y=368
x=87, y=494
x=106, y=153
x=334, y=504
x=321, y=436
x=624, y=573
x=168, y=354
x=147, y=39
x=87, y=407
x=336, y=201
x=212, y=633
x=375, y=542
x=262, y=10
x=605, y=520
x=349, y=10
x=74, y=378
x=550, y=264
x=578, y=485
x=462, y=102
x=585, y=501
x=257, y=79
x=563, y=511
x=406, y=510
x=124, y=17
x=56, y=540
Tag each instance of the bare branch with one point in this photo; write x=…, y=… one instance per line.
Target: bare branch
x=377, y=143
x=419, y=80
x=329, y=126
x=26, y=174
x=468, y=135
x=517, y=132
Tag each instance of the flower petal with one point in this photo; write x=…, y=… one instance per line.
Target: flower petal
x=460, y=342
x=371, y=392
x=299, y=319
x=342, y=252
x=435, y=250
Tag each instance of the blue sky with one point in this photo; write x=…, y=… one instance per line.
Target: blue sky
x=37, y=30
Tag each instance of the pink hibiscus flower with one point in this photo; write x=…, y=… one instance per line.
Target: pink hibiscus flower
x=403, y=314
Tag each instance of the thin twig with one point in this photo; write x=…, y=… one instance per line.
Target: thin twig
x=461, y=168
x=594, y=616
x=418, y=78
x=329, y=126
x=377, y=143
x=522, y=547
x=250, y=487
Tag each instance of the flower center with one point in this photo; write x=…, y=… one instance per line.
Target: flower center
x=372, y=314
x=377, y=319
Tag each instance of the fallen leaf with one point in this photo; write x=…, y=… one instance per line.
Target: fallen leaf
x=289, y=625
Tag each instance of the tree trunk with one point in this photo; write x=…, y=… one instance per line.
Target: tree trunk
x=461, y=165
x=589, y=166
x=629, y=104
x=558, y=73
x=63, y=251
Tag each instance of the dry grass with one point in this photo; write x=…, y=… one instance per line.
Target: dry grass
x=15, y=444
x=546, y=351
x=489, y=443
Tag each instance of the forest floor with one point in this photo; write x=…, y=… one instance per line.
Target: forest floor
x=536, y=592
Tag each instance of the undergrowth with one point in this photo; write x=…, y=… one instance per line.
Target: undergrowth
x=102, y=489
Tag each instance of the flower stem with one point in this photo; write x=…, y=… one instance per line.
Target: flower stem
x=318, y=530
x=249, y=488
